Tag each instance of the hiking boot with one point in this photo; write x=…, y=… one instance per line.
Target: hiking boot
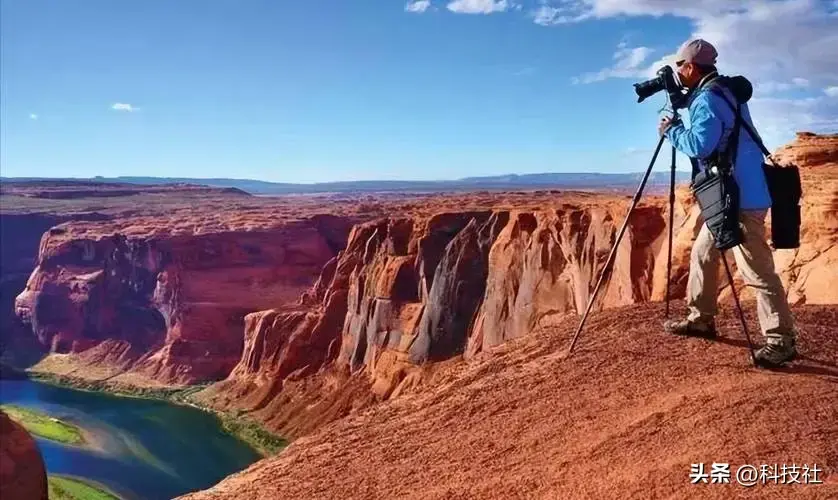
x=689, y=328
x=775, y=354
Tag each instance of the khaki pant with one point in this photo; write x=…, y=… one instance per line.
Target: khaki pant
x=756, y=264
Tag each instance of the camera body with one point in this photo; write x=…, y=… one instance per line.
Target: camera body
x=666, y=79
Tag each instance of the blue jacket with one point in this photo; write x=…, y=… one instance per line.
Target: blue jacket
x=711, y=122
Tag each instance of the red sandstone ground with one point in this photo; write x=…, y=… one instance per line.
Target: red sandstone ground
x=623, y=417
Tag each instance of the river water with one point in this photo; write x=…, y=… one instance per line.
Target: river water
x=142, y=449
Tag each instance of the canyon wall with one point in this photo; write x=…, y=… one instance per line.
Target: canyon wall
x=169, y=308
x=407, y=291
x=29, y=209
x=20, y=235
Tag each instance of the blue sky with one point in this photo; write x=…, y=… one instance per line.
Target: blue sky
x=317, y=90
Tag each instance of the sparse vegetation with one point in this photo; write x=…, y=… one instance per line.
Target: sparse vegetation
x=67, y=488
x=42, y=425
x=253, y=434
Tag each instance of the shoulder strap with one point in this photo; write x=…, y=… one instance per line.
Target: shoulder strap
x=747, y=126
x=725, y=158
x=733, y=149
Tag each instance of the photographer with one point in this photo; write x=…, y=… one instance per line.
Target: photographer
x=711, y=128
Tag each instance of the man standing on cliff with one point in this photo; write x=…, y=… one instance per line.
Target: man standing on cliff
x=711, y=124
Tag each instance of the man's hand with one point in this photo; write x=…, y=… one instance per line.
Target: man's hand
x=664, y=124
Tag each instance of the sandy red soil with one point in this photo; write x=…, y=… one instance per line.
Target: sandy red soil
x=624, y=417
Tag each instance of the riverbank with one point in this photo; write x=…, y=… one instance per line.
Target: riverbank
x=42, y=425
x=63, y=487
x=254, y=434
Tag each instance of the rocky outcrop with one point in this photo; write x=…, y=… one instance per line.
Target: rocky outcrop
x=409, y=291
x=546, y=264
x=809, y=150
x=22, y=471
x=20, y=235
x=169, y=308
x=456, y=292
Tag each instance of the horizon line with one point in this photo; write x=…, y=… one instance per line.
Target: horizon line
x=104, y=179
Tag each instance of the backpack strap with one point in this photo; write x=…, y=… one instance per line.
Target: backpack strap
x=725, y=158
x=741, y=122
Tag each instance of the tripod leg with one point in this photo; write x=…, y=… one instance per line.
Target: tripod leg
x=671, y=229
x=739, y=308
x=613, y=253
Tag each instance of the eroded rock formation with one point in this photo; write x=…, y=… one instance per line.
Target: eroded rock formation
x=624, y=417
x=170, y=308
x=406, y=291
x=20, y=235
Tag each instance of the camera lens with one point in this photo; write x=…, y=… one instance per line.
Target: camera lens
x=649, y=88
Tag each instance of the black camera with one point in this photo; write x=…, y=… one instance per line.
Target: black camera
x=667, y=80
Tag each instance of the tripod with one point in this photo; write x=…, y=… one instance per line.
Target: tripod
x=611, y=256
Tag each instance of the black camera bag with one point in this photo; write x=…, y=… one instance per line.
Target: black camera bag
x=718, y=196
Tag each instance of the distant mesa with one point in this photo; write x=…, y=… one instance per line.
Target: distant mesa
x=67, y=189
x=567, y=180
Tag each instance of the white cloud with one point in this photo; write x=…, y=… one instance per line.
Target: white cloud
x=479, y=6
x=121, y=106
x=418, y=6
x=764, y=40
x=525, y=71
x=628, y=63
x=33, y=116
x=549, y=14
x=778, y=119
x=659, y=8
x=768, y=87
x=780, y=45
x=792, y=38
